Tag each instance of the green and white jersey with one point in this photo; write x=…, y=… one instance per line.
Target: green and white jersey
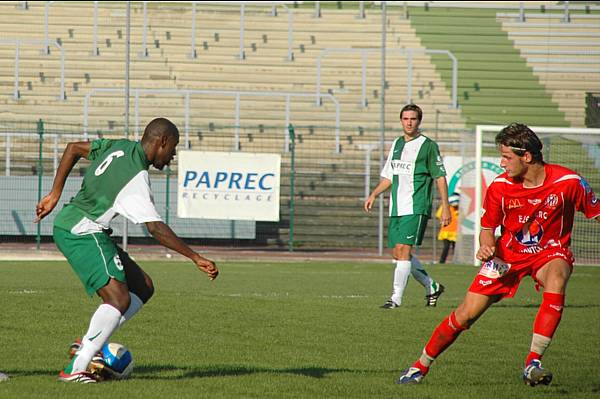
x=116, y=182
x=412, y=167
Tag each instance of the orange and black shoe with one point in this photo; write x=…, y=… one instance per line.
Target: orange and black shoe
x=82, y=377
x=75, y=346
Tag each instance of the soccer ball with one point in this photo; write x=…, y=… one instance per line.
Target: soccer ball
x=118, y=361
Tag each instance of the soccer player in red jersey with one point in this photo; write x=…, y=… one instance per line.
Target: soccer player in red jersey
x=534, y=203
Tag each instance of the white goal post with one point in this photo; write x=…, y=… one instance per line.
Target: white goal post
x=575, y=148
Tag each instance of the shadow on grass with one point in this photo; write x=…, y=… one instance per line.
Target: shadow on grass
x=153, y=372
x=150, y=372
x=537, y=305
x=31, y=373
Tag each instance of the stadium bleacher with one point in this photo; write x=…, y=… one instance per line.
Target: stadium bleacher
x=566, y=61
x=497, y=81
x=217, y=66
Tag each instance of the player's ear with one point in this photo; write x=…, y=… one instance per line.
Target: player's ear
x=163, y=140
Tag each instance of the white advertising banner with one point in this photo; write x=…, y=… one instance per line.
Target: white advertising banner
x=228, y=185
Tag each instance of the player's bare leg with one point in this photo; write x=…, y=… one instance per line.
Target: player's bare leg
x=138, y=281
x=141, y=289
x=473, y=306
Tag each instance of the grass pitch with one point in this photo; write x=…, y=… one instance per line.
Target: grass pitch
x=292, y=330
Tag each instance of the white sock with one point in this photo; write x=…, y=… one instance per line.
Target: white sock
x=400, y=279
x=103, y=323
x=539, y=343
x=135, y=305
x=417, y=271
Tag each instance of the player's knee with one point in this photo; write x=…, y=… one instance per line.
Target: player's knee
x=555, y=279
x=119, y=301
x=401, y=252
x=469, y=311
x=148, y=289
x=464, y=318
x=143, y=289
x=560, y=277
x=116, y=294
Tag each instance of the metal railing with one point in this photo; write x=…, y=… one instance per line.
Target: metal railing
x=95, y=48
x=187, y=93
x=17, y=43
x=409, y=74
x=52, y=136
x=46, y=15
x=361, y=10
x=242, y=53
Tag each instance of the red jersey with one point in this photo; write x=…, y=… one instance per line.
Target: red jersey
x=537, y=218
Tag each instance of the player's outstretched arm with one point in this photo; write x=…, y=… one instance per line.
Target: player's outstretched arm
x=169, y=239
x=72, y=154
x=383, y=185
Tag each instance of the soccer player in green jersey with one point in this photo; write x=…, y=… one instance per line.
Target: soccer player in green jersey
x=413, y=164
x=116, y=182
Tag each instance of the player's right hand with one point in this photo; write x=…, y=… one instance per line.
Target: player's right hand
x=44, y=207
x=486, y=253
x=369, y=204
x=208, y=267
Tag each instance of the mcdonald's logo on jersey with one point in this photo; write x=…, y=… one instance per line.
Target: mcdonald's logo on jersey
x=514, y=203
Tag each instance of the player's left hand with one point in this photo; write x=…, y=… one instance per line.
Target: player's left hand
x=207, y=266
x=368, y=204
x=446, y=216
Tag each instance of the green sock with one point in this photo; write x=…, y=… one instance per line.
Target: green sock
x=69, y=368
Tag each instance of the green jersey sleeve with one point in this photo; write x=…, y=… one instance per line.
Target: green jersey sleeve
x=98, y=148
x=435, y=164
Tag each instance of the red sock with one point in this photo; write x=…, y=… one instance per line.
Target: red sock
x=545, y=324
x=420, y=366
x=548, y=317
x=443, y=336
x=531, y=356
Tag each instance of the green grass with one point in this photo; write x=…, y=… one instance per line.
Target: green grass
x=289, y=330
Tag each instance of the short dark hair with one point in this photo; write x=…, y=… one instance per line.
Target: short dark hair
x=161, y=127
x=520, y=138
x=412, y=107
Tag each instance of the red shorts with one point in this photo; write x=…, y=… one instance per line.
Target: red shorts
x=502, y=276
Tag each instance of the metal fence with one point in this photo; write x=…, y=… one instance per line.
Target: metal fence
x=322, y=191
x=328, y=187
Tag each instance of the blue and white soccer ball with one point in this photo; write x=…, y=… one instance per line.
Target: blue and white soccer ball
x=118, y=359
